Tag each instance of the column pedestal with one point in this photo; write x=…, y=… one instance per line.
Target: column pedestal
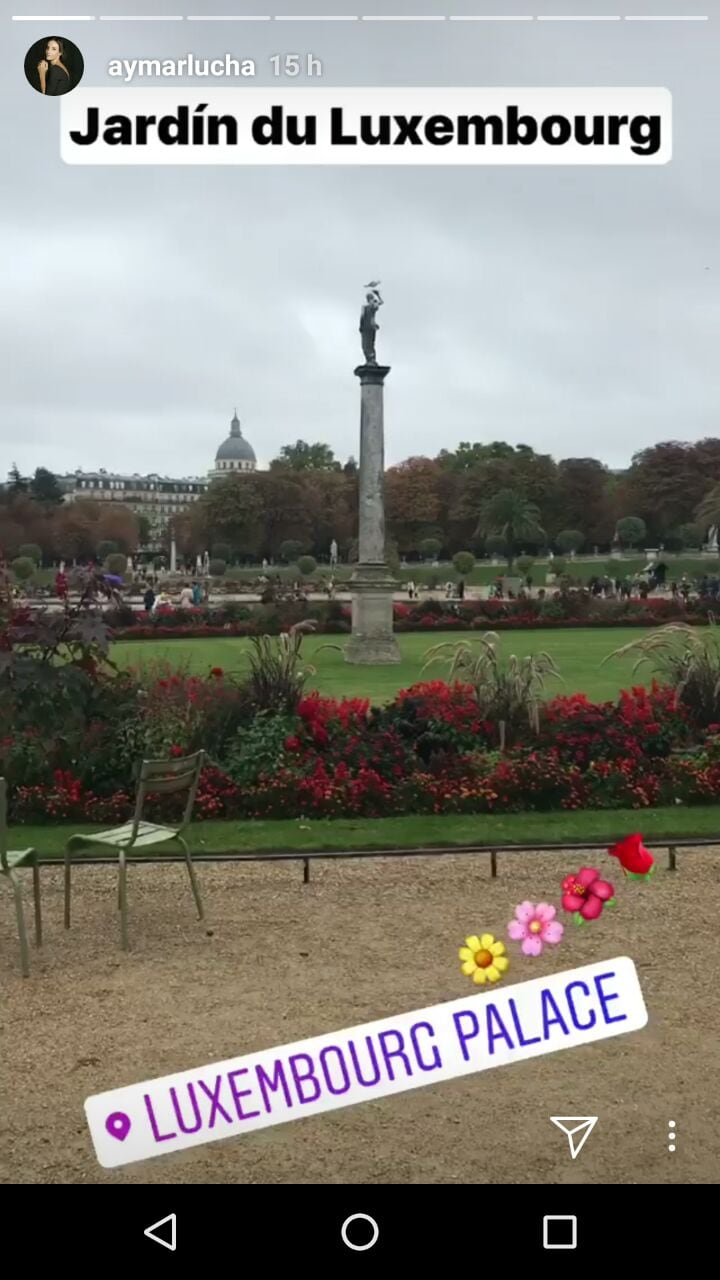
x=372, y=585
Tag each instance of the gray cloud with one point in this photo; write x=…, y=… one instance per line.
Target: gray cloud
x=570, y=309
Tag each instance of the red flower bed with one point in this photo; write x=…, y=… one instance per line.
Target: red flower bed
x=555, y=611
x=429, y=751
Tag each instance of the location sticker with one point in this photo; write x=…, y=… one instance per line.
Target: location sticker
x=118, y=1125
x=272, y=1086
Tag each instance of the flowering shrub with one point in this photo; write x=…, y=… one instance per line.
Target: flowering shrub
x=572, y=608
x=428, y=751
x=641, y=724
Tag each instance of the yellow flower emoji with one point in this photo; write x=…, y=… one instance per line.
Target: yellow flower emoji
x=483, y=959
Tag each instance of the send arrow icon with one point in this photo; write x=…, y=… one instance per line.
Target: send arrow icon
x=151, y=1231
x=577, y=1129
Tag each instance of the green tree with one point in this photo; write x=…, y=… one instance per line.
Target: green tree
x=220, y=551
x=463, y=562
x=23, y=568
x=691, y=535
x=290, y=549
x=143, y=530
x=31, y=551
x=217, y=568
x=569, y=540
x=307, y=565
x=307, y=457
x=510, y=516
x=707, y=512
x=525, y=564
x=232, y=511
x=116, y=563
x=631, y=531
x=430, y=548
x=107, y=547
x=16, y=482
x=44, y=487
x=496, y=544
x=468, y=455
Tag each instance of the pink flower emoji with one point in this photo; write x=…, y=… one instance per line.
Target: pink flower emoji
x=535, y=925
x=586, y=894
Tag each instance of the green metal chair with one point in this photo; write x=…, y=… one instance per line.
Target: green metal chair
x=10, y=859
x=157, y=777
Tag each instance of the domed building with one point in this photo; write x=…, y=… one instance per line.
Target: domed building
x=234, y=454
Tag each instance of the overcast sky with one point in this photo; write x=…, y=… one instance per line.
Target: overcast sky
x=573, y=309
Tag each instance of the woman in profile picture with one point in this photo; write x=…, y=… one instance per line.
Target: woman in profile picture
x=54, y=75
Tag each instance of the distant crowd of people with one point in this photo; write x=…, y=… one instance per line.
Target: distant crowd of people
x=193, y=592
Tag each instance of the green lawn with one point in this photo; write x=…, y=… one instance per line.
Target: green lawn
x=659, y=825
x=485, y=573
x=577, y=653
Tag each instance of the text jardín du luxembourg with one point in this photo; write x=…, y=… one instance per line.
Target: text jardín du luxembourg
x=278, y=128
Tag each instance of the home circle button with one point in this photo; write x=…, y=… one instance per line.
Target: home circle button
x=359, y=1232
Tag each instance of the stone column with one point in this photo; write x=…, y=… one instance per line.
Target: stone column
x=372, y=641
x=173, y=554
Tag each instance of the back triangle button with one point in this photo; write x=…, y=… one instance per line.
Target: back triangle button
x=169, y=1238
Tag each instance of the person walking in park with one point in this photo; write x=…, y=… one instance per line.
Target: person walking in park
x=197, y=594
x=461, y=589
x=149, y=600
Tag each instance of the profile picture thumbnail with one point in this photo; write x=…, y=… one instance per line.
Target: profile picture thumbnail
x=54, y=66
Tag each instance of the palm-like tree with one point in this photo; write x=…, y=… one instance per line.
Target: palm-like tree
x=510, y=516
x=707, y=513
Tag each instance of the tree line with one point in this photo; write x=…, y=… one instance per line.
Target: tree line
x=487, y=498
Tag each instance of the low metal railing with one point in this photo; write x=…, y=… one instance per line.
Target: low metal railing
x=420, y=851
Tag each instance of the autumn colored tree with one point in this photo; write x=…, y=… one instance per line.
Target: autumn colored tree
x=117, y=523
x=665, y=485
x=585, y=500
x=411, y=500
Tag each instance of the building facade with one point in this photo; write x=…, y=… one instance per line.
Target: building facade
x=157, y=497
x=234, y=454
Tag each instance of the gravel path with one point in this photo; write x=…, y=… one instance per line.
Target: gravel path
x=363, y=940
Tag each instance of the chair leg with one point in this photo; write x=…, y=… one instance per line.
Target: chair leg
x=38, y=908
x=24, y=952
x=67, y=888
x=193, y=879
x=122, y=901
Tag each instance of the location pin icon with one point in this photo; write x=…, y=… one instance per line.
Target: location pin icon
x=118, y=1125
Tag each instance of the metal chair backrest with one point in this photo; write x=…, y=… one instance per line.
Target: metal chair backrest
x=165, y=777
x=3, y=824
